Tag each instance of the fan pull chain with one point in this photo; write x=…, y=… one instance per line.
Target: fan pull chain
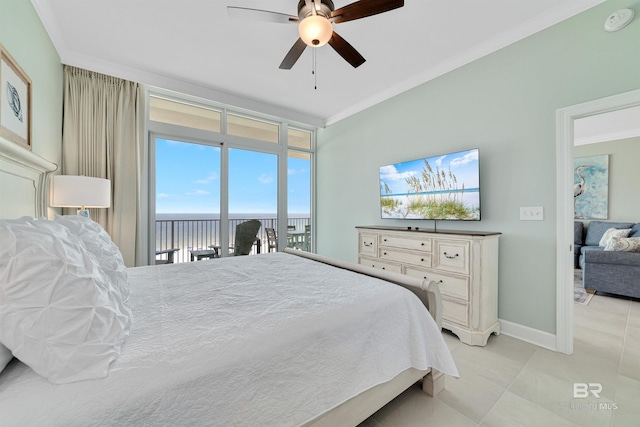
x=313, y=71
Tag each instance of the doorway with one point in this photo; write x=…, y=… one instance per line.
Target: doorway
x=565, y=118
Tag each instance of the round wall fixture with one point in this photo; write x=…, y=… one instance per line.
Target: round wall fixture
x=618, y=20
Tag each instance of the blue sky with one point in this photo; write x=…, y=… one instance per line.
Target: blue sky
x=188, y=180
x=464, y=165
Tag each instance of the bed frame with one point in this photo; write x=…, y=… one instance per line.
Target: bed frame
x=360, y=407
x=23, y=191
x=23, y=181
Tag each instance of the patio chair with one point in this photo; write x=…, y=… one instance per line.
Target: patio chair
x=272, y=241
x=307, y=238
x=246, y=235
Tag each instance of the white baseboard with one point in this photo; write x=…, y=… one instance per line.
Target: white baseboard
x=527, y=334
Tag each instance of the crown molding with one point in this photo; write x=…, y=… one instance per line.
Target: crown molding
x=544, y=21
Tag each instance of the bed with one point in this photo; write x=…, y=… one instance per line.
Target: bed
x=274, y=339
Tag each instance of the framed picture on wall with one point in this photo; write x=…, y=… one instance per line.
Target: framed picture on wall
x=591, y=187
x=15, y=101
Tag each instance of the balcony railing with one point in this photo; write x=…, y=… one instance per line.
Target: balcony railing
x=193, y=234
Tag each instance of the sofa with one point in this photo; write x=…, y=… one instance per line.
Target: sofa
x=610, y=271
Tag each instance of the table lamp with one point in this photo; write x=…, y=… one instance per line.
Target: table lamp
x=82, y=192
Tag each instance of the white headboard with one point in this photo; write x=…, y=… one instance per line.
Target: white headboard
x=23, y=181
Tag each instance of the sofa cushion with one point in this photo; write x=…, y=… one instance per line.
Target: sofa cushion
x=615, y=260
x=635, y=231
x=624, y=244
x=613, y=233
x=596, y=230
x=578, y=232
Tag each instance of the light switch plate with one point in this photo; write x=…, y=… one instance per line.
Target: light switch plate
x=532, y=213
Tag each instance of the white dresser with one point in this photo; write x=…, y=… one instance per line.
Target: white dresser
x=464, y=264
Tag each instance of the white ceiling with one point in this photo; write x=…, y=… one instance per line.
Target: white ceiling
x=611, y=126
x=194, y=47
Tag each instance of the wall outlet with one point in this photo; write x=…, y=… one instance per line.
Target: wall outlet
x=532, y=214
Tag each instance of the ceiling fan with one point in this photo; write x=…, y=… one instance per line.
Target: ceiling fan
x=315, y=24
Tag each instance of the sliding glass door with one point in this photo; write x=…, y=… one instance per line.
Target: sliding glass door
x=198, y=207
x=211, y=169
x=187, y=199
x=299, y=207
x=253, y=192
x=299, y=201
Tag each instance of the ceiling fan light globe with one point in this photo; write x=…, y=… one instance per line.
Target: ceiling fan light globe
x=315, y=30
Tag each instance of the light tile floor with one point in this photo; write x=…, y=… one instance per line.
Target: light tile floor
x=512, y=383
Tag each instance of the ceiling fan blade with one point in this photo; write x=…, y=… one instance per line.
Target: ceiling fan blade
x=260, y=15
x=345, y=50
x=293, y=55
x=364, y=8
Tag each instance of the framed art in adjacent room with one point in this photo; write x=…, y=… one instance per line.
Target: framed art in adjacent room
x=15, y=101
x=591, y=187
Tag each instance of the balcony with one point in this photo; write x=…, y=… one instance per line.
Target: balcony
x=192, y=234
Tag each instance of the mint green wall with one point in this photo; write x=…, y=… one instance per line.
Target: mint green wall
x=504, y=104
x=24, y=37
x=624, y=191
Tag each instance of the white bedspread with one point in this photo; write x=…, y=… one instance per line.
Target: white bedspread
x=266, y=340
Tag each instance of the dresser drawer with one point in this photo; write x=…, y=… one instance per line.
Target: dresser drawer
x=421, y=259
x=455, y=312
x=376, y=263
x=464, y=265
x=452, y=256
x=454, y=286
x=412, y=243
x=368, y=244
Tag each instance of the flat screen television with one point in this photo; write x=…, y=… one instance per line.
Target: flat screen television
x=443, y=187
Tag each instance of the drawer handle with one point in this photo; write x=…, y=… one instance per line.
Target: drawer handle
x=384, y=240
x=422, y=259
x=384, y=253
x=451, y=257
x=383, y=268
x=438, y=282
x=422, y=244
x=367, y=244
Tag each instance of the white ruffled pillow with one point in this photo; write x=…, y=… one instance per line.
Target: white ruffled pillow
x=611, y=233
x=99, y=243
x=5, y=357
x=631, y=244
x=58, y=310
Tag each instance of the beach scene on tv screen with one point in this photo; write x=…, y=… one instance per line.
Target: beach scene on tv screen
x=439, y=187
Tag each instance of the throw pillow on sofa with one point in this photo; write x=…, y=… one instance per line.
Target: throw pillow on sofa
x=611, y=233
x=631, y=244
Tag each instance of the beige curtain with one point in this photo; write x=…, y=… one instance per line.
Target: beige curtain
x=102, y=137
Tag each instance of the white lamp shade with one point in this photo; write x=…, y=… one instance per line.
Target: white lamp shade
x=72, y=191
x=315, y=30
